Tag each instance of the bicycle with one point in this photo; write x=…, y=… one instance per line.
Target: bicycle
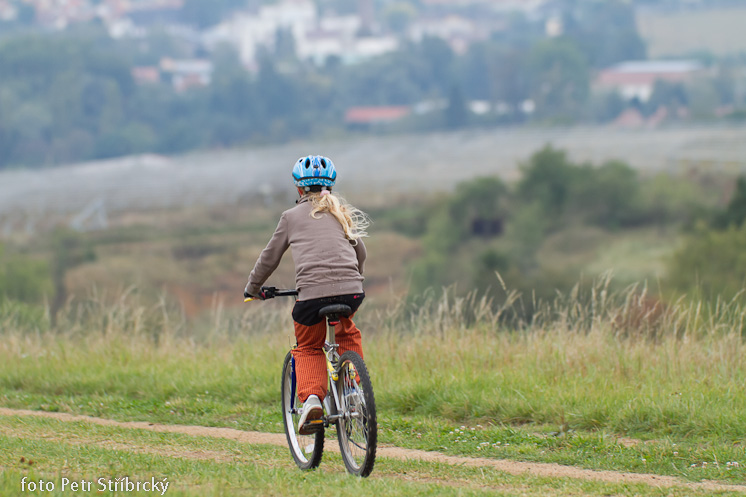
x=350, y=405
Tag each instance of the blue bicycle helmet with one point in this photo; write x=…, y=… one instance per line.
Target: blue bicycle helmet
x=314, y=170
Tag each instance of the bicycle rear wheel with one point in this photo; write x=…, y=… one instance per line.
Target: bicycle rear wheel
x=357, y=430
x=305, y=449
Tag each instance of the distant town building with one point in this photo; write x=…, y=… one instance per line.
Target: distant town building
x=146, y=75
x=367, y=13
x=366, y=117
x=251, y=32
x=351, y=38
x=315, y=38
x=320, y=45
x=59, y=14
x=187, y=73
x=371, y=46
x=458, y=31
x=154, y=12
x=636, y=79
x=553, y=27
x=497, y=5
x=8, y=11
x=480, y=107
x=124, y=27
x=152, y=5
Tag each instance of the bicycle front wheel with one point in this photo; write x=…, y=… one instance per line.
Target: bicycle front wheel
x=357, y=429
x=305, y=449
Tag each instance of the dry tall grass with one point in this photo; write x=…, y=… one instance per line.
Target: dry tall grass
x=591, y=359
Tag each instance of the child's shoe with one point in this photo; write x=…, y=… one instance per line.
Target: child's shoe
x=310, y=420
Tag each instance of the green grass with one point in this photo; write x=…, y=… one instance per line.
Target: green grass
x=572, y=387
x=633, y=255
x=49, y=450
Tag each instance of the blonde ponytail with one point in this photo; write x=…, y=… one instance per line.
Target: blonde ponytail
x=354, y=221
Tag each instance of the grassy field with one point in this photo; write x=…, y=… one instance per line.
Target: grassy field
x=200, y=258
x=154, y=330
x=597, y=380
x=195, y=466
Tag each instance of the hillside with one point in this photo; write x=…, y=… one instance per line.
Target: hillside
x=373, y=169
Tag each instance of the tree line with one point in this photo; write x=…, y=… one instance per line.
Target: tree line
x=487, y=226
x=70, y=96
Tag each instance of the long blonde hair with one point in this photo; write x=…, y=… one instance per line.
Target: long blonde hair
x=354, y=221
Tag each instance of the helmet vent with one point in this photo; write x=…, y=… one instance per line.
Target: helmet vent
x=313, y=170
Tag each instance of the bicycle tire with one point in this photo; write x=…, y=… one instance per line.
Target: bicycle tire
x=358, y=437
x=305, y=449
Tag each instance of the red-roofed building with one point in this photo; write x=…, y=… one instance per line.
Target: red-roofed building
x=146, y=75
x=636, y=79
x=187, y=73
x=368, y=116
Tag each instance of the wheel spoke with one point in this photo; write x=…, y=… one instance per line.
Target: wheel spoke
x=356, y=430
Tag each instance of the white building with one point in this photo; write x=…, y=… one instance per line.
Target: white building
x=315, y=38
x=367, y=47
x=333, y=37
x=187, y=73
x=458, y=31
x=8, y=11
x=248, y=33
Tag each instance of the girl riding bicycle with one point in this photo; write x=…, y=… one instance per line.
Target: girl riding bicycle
x=324, y=234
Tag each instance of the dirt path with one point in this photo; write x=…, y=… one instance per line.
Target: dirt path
x=550, y=470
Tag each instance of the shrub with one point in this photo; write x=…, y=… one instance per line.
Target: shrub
x=711, y=262
x=547, y=178
x=735, y=212
x=22, y=278
x=607, y=196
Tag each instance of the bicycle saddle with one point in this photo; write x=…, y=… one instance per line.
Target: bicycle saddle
x=335, y=311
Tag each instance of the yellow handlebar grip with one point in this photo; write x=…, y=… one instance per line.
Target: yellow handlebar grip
x=249, y=299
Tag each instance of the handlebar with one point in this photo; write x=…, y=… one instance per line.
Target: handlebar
x=270, y=292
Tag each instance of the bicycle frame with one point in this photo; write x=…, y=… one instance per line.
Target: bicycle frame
x=333, y=403
x=332, y=367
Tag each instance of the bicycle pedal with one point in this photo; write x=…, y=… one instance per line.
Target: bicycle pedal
x=313, y=426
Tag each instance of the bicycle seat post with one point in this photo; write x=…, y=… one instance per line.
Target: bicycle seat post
x=331, y=339
x=333, y=313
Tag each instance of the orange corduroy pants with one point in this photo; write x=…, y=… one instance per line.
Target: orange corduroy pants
x=310, y=362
